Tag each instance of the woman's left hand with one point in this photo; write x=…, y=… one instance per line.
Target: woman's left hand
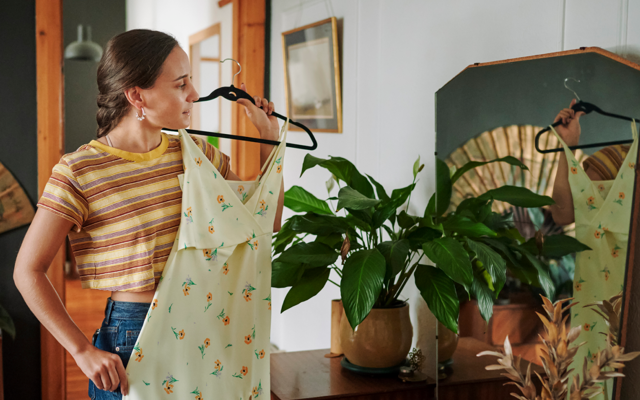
x=260, y=115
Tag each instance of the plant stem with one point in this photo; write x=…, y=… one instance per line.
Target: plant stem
x=337, y=271
x=334, y=283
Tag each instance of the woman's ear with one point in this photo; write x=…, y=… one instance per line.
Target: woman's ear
x=134, y=96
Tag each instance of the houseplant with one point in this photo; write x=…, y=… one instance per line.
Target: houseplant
x=381, y=245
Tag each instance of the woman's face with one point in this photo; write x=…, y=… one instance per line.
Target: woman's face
x=170, y=100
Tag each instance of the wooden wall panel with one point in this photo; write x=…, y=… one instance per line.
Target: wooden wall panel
x=49, y=83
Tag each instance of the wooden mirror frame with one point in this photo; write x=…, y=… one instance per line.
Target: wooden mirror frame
x=249, y=22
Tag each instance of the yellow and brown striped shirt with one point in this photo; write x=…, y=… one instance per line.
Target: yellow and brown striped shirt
x=125, y=207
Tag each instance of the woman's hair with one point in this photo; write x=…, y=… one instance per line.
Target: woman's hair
x=133, y=58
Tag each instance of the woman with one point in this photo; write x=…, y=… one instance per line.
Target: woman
x=121, y=195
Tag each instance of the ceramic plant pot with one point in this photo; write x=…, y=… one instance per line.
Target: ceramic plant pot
x=382, y=340
x=447, y=343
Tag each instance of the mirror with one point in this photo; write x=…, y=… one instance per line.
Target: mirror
x=517, y=245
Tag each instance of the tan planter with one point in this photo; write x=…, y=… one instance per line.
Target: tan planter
x=382, y=340
x=336, y=316
x=447, y=343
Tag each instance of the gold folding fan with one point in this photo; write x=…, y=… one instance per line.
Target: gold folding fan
x=516, y=141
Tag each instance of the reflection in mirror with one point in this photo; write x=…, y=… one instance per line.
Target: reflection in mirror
x=521, y=224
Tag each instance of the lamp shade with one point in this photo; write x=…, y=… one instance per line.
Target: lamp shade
x=83, y=49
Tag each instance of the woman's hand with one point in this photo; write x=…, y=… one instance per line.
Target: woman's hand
x=569, y=130
x=260, y=116
x=104, y=369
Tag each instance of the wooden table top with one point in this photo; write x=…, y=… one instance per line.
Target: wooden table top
x=305, y=375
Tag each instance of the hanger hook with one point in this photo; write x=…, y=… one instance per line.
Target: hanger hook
x=234, y=76
x=567, y=86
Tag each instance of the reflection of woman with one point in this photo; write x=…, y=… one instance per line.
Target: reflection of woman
x=598, y=198
x=121, y=193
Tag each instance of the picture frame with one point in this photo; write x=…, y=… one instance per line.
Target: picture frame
x=312, y=76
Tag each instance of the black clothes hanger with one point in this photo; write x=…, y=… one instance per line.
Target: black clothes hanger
x=232, y=93
x=586, y=108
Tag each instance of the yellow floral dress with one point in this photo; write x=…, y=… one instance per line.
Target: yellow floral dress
x=206, y=335
x=602, y=215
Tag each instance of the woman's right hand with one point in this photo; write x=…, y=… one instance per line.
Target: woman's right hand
x=103, y=368
x=569, y=129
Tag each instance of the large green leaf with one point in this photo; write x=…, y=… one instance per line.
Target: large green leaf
x=556, y=246
x=484, y=295
x=405, y=220
x=517, y=196
x=308, y=286
x=543, y=275
x=319, y=224
x=443, y=187
x=387, y=209
x=395, y=253
x=421, y=235
x=492, y=262
x=474, y=164
x=451, y=257
x=465, y=227
x=299, y=200
x=284, y=236
x=333, y=240
x=438, y=290
x=343, y=169
x=285, y=275
x=352, y=199
x=382, y=194
x=362, y=277
x=313, y=254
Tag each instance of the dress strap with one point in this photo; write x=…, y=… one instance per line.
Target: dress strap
x=634, y=129
x=567, y=150
x=281, y=139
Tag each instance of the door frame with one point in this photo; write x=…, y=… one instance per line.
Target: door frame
x=249, y=22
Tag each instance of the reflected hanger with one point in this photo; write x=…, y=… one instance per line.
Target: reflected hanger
x=232, y=93
x=586, y=108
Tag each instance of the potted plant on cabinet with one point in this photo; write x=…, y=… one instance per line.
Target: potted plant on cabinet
x=380, y=247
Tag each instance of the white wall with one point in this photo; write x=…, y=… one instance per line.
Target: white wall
x=395, y=55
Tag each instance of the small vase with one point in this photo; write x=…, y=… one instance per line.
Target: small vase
x=382, y=340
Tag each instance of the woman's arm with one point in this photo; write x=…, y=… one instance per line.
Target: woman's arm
x=562, y=211
x=41, y=243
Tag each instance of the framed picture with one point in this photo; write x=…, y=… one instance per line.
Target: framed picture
x=312, y=76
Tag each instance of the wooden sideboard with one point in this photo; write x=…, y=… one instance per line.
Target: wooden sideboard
x=308, y=375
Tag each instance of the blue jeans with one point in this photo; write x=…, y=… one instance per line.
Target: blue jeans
x=118, y=334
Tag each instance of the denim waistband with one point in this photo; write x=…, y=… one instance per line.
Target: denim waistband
x=125, y=310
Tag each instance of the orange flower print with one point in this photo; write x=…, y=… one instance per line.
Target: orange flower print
x=632, y=165
x=225, y=269
x=606, y=275
x=168, y=388
x=254, y=391
x=218, y=364
x=186, y=290
x=279, y=169
x=199, y=396
x=261, y=353
x=189, y=213
x=621, y=195
x=154, y=304
x=263, y=204
x=601, y=187
x=255, y=244
x=578, y=286
x=211, y=230
x=220, y=199
x=269, y=305
x=226, y=320
x=247, y=296
x=244, y=371
x=181, y=334
x=138, y=352
x=574, y=170
x=597, y=234
x=247, y=339
x=590, y=200
x=586, y=327
x=614, y=253
x=207, y=342
x=240, y=189
x=198, y=161
x=209, y=296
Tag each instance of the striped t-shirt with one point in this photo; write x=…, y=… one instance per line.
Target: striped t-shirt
x=125, y=207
